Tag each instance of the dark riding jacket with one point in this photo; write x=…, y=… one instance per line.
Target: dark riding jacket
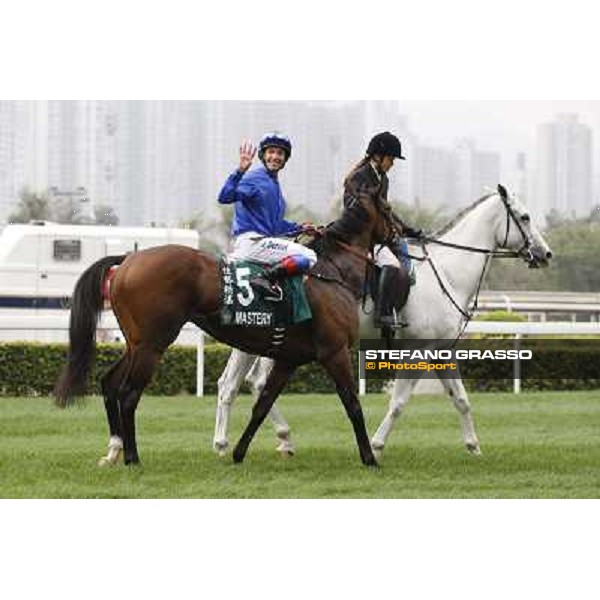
x=365, y=181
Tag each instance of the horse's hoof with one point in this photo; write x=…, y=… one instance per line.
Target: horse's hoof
x=220, y=449
x=474, y=449
x=238, y=457
x=286, y=450
x=371, y=462
x=105, y=462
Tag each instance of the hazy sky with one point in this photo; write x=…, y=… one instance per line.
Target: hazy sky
x=507, y=126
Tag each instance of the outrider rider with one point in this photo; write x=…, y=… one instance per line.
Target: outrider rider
x=369, y=178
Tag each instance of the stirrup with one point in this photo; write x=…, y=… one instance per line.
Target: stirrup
x=272, y=291
x=392, y=324
x=392, y=321
x=275, y=294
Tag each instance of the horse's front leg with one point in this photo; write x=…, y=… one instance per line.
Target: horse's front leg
x=339, y=367
x=458, y=394
x=278, y=377
x=398, y=400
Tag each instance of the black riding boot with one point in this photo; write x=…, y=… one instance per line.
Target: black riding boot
x=269, y=281
x=391, y=295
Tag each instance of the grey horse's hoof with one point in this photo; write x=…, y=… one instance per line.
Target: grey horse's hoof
x=474, y=449
x=220, y=448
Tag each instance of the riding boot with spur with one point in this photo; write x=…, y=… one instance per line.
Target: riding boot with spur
x=270, y=279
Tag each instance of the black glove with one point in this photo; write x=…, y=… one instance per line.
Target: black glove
x=409, y=232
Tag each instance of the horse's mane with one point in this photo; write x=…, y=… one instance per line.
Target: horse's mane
x=351, y=223
x=464, y=212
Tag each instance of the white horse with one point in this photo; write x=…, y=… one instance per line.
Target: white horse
x=255, y=370
x=449, y=269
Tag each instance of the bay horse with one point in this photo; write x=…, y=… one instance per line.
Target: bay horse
x=156, y=291
x=449, y=269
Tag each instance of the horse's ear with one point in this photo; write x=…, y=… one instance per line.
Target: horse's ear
x=502, y=191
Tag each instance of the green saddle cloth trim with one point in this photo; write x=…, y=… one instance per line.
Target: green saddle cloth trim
x=243, y=304
x=293, y=288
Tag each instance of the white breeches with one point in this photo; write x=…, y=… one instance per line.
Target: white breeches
x=268, y=249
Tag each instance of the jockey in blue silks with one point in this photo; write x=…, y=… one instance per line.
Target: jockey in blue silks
x=259, y=213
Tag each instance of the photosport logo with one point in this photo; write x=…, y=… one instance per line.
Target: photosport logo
x=534, y=358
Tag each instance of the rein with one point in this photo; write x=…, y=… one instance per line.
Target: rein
x=467, y=314
x=352, y=250
x=503, y=252
x=362, y=255
x=500, y=253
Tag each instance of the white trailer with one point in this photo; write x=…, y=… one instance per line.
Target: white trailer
x=40, y=263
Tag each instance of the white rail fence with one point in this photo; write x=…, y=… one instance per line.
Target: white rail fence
x=191, y=334
x=518, y=330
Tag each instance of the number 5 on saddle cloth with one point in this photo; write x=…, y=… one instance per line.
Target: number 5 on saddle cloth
x=245, y=305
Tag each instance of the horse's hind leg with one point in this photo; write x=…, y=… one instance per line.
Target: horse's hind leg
x=110, y=385
x=278, y=377
x=339, y=367
x=458, y=394
x=229, y=383
x=142, y=363
x=257, y=377
x=398, y=400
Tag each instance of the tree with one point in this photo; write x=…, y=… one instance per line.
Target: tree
x=213, y=232
x=556, y=219
x=31, y=207
x=299, y=213
x=421, y=217
x=105, y=215
x=575, y=267
x=66, y=210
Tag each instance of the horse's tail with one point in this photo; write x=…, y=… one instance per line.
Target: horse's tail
x=85, y=311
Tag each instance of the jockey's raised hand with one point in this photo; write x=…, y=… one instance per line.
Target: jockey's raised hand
x=247, y=154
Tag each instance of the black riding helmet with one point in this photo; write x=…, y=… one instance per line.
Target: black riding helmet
x=385, y=144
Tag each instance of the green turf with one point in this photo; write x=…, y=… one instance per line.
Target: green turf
x=536, y=445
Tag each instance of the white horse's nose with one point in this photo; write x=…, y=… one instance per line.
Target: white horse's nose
x=549, y=254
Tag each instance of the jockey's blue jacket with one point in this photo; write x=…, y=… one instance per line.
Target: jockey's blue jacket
x=259, y=204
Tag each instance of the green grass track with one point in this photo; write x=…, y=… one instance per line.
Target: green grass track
x=536, y=445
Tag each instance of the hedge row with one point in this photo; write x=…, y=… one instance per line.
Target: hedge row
x=560, y=364
x=29, y=369
x=32, y=369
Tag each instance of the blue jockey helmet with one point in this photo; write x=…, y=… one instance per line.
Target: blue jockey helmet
x=275, y=140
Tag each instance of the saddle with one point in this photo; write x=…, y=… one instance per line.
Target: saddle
x=244, y=305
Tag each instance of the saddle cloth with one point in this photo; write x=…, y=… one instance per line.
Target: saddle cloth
x=242, y=304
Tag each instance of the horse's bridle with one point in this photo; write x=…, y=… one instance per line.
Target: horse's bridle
x=502, y=252
x=524, y=251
